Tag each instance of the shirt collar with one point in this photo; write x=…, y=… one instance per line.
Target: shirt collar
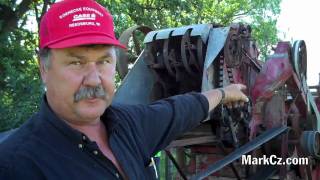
x=109, y=119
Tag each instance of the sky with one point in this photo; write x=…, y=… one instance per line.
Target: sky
x=298, y=21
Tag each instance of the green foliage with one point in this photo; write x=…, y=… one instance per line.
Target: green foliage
x=264, y=34
x=20, y=86
x=20, y=90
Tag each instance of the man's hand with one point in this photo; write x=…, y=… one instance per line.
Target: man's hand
x=233, y=96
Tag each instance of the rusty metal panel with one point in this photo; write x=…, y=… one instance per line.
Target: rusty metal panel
x=137, y=85
x=197, y=30
x=164, y=33
x=202, y=30
x=150, y=36
x=216, y=41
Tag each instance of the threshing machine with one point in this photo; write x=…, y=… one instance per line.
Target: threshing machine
x=281, y=119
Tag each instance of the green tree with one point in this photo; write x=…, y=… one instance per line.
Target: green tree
x=20, y=85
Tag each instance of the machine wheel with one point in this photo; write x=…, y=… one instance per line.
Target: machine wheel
x=127, y=57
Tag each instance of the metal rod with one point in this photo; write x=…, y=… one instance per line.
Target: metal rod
x=255, y=143
x=176, y=164
x=231, y=165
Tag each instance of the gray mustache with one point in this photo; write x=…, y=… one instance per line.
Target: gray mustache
x=89, y=92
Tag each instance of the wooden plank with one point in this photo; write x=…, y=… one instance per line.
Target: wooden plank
x=202, y=130
x=192, y=141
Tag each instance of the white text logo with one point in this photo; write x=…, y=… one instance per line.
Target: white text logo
x=273, y=160
x=81, y=17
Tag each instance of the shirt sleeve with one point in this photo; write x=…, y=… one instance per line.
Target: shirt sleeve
x=162, y=121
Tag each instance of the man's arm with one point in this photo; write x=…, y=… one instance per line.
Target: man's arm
x=157, y=124
x=160, y=122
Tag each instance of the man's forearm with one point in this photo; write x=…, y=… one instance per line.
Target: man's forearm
x=214, y=98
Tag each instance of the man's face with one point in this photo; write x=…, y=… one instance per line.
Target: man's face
x=73, y=79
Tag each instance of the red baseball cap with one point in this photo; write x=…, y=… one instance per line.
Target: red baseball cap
x=70, y=23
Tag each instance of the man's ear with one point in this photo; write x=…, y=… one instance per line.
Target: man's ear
x=43, y=71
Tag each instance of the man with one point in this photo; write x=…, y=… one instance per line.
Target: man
x=78, y=134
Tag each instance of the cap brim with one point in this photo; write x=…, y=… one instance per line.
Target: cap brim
x=85, y=40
